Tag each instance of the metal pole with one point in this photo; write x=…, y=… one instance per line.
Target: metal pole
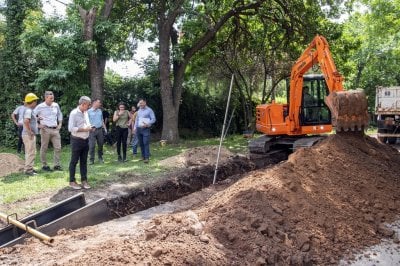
x=229, y=123
x=27, y=228
x=223, y=130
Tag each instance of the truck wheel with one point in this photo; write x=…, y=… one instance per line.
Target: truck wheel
x=382, y=139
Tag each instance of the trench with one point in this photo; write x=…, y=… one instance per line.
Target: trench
x=75, y=212
x=186, y=182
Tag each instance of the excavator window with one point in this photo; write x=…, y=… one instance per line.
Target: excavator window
x=314, y=110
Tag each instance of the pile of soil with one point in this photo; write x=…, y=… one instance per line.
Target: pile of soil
x=323, y=204
x=10, y=163
x=199, y=156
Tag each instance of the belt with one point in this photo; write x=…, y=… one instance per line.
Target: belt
x=51, y=127
x=77, y=138
x=99, y=127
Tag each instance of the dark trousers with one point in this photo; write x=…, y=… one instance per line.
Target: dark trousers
x=143, y=135
x=96, y=136
x=79, y=152
x=134, y=143
x=122, y=137
x=20, y=141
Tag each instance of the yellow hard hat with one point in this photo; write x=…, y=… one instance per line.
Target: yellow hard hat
x=30, y=97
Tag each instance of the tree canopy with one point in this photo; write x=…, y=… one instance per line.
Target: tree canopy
x=199, y=45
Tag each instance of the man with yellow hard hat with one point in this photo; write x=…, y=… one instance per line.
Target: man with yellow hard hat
x=29, y=132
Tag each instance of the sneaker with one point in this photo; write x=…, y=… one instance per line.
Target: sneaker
x=119, y=159
x=74, y=185
x=85, y=185
x=57, y=168
x=46, y=168
x=146, y=160
x=31, y=173
x=101, y=160
x=91, y=162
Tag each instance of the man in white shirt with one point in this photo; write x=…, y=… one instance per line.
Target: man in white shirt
x=80, y=128
x=50, y=121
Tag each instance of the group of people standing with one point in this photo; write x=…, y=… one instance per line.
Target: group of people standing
x=87, y=127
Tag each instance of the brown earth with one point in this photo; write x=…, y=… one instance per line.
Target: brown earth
x=204, y=155
x=10, y=163
x=323, y=204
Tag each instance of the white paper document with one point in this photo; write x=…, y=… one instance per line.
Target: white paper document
x=144, y=121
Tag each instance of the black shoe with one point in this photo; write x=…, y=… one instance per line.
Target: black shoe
x=57, y=168
x=119, y=159
x=91, y=162
x=46, y=168
x=146, y=160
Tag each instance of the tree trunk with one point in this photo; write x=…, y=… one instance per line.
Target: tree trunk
x=96, y=63
x=170, y=108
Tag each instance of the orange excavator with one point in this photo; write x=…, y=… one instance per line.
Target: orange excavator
x=316, y=103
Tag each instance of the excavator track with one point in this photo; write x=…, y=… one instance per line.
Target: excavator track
x=349, y=110
x=266, y=150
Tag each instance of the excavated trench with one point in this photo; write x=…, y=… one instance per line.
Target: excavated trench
x=76, y=212
x=186, y=182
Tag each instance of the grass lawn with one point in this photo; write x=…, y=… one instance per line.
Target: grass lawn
x=16, y=187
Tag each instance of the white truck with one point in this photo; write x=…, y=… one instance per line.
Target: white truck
x=387, y=111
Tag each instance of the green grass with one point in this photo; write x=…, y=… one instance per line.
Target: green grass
x=18, y=187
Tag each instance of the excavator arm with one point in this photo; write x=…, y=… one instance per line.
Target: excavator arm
x=348, y=108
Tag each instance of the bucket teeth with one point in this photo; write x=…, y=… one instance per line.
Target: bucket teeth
x=349, y=110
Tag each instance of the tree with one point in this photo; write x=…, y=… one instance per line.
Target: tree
x=185, y=27
x=97, y=61
x=15, y=70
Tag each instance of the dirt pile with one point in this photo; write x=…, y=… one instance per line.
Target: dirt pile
x=10, y=163
x=199, y=156
x=321, y=205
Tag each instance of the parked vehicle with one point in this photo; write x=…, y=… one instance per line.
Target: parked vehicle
x=387, y=111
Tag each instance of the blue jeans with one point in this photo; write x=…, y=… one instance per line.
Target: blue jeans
x=143, y=135
x=134, y=143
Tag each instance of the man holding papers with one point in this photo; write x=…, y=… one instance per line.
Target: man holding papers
x=144, y=120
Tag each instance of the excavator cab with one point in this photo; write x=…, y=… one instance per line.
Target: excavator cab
x=314, y=111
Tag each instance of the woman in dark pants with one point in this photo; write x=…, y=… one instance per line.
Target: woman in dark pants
x=121, y=118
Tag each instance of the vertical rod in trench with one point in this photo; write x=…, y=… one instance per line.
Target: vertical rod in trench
x=223, y=131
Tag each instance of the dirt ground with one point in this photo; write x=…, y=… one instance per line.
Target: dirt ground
x=321, y=205
x=10, y=163
x=205, y=155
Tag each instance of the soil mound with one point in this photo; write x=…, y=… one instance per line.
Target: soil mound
x=321, y=205
x=199, y=156
x=318, y=207
x=10, y=163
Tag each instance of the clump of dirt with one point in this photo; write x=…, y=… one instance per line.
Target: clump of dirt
x=10, y=163
x=321, y=205
x=204, y=155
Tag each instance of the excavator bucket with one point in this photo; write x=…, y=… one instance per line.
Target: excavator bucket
x=349, y=110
